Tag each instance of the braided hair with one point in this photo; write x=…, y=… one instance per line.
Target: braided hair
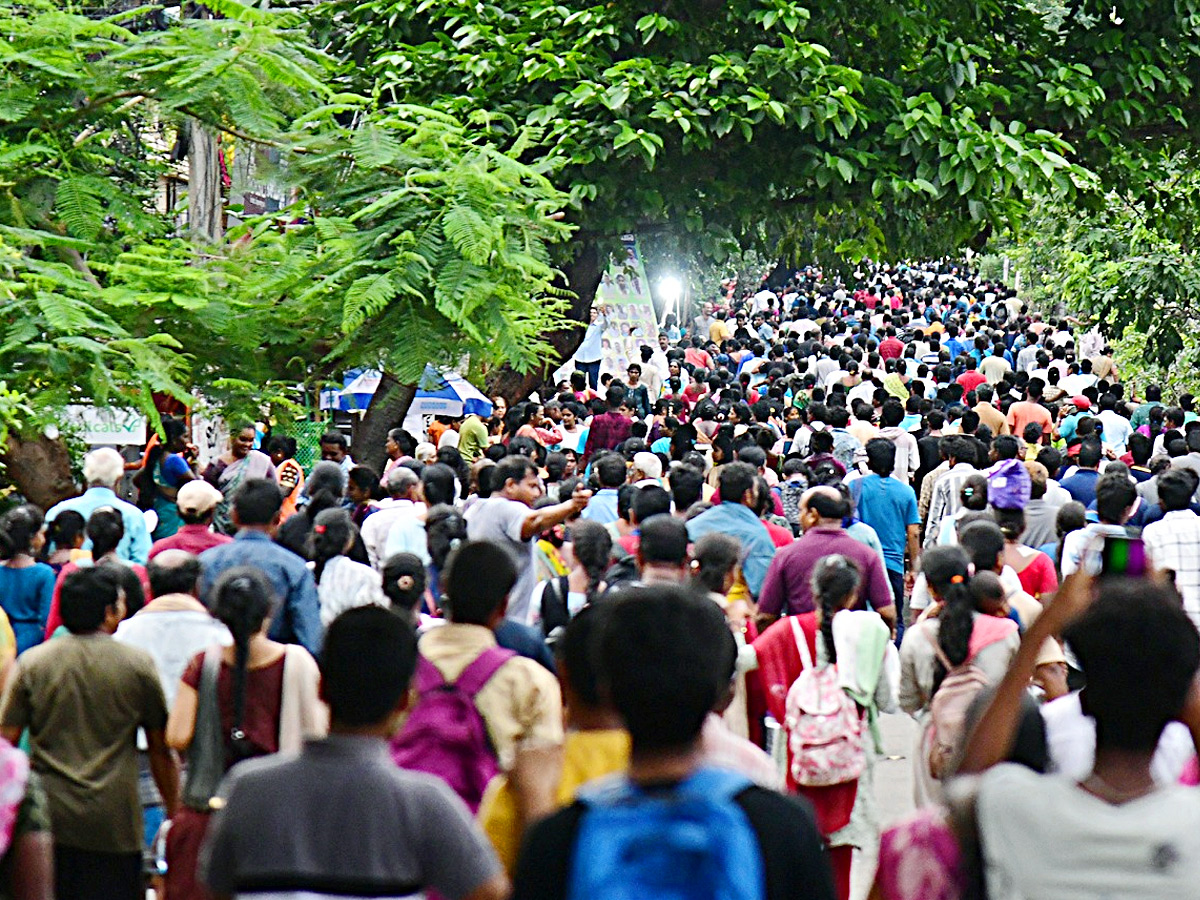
x=242, y=600
x=592, y=545
x=835, y=583
x=332, y=533
x=948, y=574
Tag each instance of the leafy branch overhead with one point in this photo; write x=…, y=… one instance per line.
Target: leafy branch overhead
x=407, y=239
x=907, y=128
x=421, y=244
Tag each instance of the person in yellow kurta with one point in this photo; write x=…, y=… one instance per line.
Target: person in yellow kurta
x=544, y=779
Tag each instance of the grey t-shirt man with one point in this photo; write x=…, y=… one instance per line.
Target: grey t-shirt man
x=499, y=520
x=341, y=820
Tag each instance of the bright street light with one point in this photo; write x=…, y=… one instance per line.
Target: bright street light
x=670, y=289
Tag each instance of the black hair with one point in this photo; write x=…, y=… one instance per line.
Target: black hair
x=367, y=665
x=687, y=486
x=592, y=546
x=573, y=650
x=664, y=539
x=881, y=456
x=471, y=599
x=648, y=501
x=63, y=531
x=947, y=574
x=556, y=464
x=281, y=443
x=85, y=598
x=1090, y=452
x=335, y=438
x=714, y=557
x=242, y=599
x=364, y=478
x=405, y=441
x=657, y=652
x=1133, y=694
x=178, y=579
x=1011, y=522
x=734, y=480
x=404, y=581
x=18, y=528
x=437, y=480
x=834, y=578
x=332, y=531
x=257, y=502
x=512, y=468
x=445, y=531
x=173, y=430
x=1175, y=489
x=610, y=469
x=1114, y=496
x=105, y=528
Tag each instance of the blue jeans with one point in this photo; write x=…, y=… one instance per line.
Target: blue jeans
x=592, y=369
x=896, y=580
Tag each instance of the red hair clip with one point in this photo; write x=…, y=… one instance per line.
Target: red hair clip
x=320, y=529
x=957, y=579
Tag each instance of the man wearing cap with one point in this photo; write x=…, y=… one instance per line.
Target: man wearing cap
x=196, y=501
x=1071, y=414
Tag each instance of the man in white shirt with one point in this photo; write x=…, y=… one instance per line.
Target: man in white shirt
x=1116, y=428
x=1173, y=542
x=1115, y=832
x=403, y=507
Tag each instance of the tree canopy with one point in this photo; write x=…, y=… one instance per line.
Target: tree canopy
x=826, y=132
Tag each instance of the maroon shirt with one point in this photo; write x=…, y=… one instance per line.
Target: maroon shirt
x=788, y=588
x=607, y=431
x=192, y=538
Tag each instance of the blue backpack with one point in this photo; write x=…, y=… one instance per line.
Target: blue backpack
x=690, y=843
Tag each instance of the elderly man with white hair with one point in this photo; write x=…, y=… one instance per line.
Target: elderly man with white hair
x=647, y=470
x=103, y=469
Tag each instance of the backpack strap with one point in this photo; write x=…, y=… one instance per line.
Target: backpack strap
x=806, y=661
x=429, y=677
x=479, y=672
x=941, y=655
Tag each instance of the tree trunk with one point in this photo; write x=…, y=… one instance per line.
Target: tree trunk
x=40, y=468
x=386, y=411
x=204, y=183
x=583, y=278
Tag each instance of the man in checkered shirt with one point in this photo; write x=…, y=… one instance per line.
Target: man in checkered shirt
x=1173, y=543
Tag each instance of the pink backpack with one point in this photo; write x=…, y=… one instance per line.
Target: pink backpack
x=823, y=725
x=948, y=711
x=445, y=735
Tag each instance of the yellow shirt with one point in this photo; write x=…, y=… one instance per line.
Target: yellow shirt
x=587, y=755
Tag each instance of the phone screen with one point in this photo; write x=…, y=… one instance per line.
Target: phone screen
x=1123, y=556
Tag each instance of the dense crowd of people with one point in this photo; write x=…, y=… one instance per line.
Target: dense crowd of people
x=632, y=636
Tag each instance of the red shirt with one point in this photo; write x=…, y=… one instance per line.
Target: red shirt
x=971, y=379
x=891, y=348
x=191, y=538
x=698, y=357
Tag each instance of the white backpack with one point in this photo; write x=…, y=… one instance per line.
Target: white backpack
x=823, y=725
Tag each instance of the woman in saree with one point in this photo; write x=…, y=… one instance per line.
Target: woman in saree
x=231, y=469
